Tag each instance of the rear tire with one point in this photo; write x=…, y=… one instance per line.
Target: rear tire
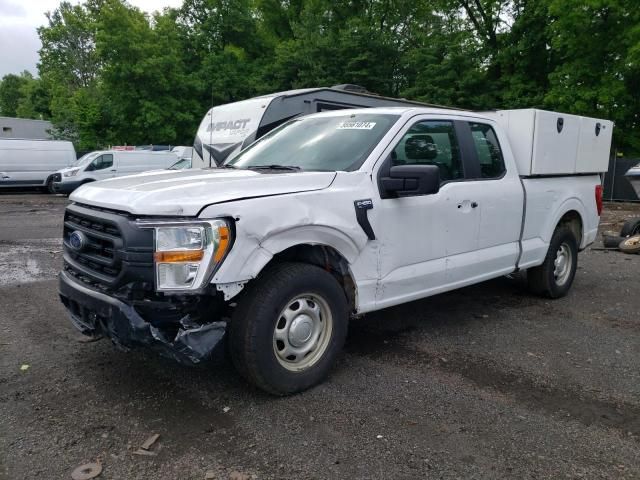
x=631, y=227
x=553, y=279
x=288, y=328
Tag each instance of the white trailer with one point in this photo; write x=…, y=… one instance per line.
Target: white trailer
x=226, y=129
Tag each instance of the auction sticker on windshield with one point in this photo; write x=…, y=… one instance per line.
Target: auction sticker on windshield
x=356, y=125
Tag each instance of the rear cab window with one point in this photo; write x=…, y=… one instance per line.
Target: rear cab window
x=488, y=150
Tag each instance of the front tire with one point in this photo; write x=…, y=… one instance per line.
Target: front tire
x=289, y=327
x=553, y=279
x=49, y=186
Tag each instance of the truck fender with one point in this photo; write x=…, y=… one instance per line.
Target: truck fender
x=570, y=204
x=303, y=235
x=263, y=251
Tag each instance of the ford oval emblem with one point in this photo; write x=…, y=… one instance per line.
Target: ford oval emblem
x=77, y=240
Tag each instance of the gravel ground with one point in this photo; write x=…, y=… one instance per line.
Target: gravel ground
x=483, y=383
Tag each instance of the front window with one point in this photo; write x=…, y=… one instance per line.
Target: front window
x=85, y=159
x=102, y=162
x=431, y=142
x=325, y=143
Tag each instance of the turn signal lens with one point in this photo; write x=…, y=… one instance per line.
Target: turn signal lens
x=222, y=244
x=179, y=256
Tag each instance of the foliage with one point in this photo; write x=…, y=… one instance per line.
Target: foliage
x=112, y=74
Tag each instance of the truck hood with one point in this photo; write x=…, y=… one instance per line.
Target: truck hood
x=186, y=192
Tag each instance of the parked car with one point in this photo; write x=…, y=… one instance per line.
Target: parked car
x=32, y=163
x=226, y=129
x=105, y=164
x=183, y=152
x=333, y=214
x=181, y=164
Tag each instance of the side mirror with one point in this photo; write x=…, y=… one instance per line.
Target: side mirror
x=409, y=180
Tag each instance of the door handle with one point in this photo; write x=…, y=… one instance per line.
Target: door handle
x=466, y=204
x=113, y=170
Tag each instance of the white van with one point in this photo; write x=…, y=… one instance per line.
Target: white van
x=105, y=164
x=32, y=163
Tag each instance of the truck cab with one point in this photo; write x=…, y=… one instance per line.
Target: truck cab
x=327, y=216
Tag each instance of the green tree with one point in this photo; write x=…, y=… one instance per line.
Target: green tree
x=597, y=71
x=11, y=92
x=144, y=79
x=34, y=100
x=110, y=73
x=68, y=55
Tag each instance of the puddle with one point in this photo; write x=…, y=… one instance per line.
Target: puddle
x=27, y=264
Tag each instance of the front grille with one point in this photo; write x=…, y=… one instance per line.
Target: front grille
x=56, y=177
x=97, y=256
x=114, y=250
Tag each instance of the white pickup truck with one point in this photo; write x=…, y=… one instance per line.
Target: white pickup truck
x=330, y=215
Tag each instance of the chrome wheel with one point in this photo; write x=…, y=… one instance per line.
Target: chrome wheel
x=562, y=264
x=302, y=332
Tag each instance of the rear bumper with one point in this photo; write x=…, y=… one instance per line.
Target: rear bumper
x=66, y=187
x=95, y=314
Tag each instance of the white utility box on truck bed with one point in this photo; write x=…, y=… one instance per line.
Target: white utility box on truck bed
x=329, y=215
x=551, y=143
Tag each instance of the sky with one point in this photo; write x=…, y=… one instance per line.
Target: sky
x=19, y=42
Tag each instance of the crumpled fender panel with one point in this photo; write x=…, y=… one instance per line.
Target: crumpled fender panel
x=267, y=226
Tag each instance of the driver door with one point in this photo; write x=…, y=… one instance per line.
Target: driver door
x=415, y=233
x=102, y=167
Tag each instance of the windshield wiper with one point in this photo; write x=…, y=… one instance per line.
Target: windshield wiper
x=290, y=168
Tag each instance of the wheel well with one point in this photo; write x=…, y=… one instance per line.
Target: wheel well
x=325, y=257
x=573, y=221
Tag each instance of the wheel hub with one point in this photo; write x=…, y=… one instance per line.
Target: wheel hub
x=300, y=330
x=562, y=264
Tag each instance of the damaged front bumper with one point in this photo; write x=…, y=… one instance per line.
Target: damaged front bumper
x=95, y=314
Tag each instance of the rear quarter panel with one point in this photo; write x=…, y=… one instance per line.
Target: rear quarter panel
x=548, y=199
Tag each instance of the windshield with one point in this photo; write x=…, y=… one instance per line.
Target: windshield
x=326, y=143
x=85, y=159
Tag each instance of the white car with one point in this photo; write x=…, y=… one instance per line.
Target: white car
x=105, y=164
x=330, y=215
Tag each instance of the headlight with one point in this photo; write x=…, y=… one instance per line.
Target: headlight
x=185, y=255
x=71, y=173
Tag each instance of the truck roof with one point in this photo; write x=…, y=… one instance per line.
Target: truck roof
x=404, y=110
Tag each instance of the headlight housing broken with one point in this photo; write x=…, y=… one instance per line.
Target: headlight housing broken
x=186, y=254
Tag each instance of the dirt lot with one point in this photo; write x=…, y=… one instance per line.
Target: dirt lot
x=484, y=383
